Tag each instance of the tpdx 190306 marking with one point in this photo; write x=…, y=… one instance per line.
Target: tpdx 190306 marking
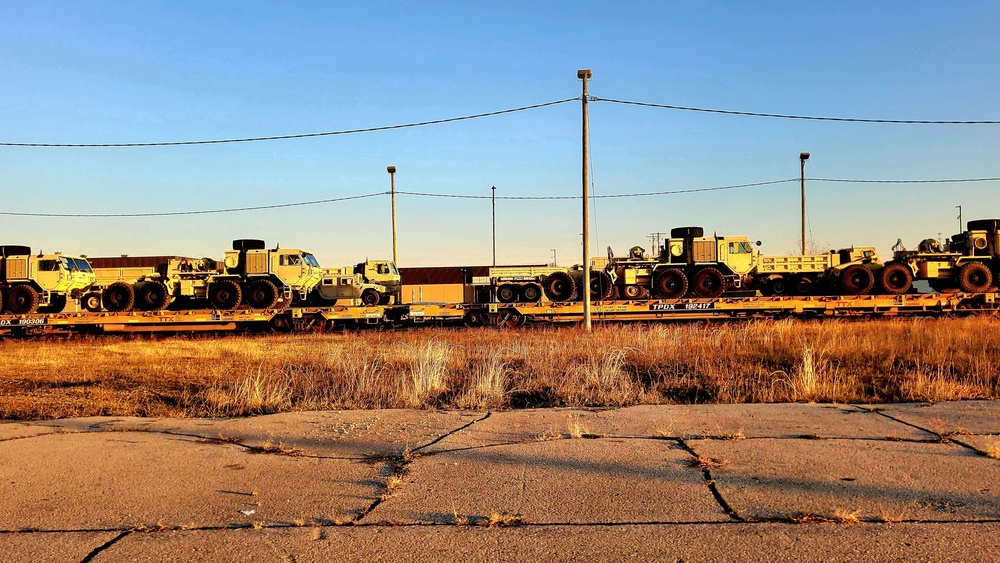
x=680, y=306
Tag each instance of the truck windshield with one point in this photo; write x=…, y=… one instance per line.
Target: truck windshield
x=82, y=265
x=311, y=260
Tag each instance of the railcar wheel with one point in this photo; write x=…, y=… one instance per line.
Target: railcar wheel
x=601, y=287
x=507, y=293
x=225, y=295
x=152, y=296
x=974, y=277
x=895, y=278
x=119, y=297
x=857, y=280
x=531, y=293
x=709, y=282
x=559, y=286
x=262, y=294
x=370, y=297
x=22, y=300
x=670, y=283
x=91, y=302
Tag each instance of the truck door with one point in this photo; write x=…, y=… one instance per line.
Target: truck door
x=739, y=256
x=291, y=269
x=50, y=274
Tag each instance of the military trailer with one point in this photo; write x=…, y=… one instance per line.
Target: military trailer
x=41, y=282
x=968, y=262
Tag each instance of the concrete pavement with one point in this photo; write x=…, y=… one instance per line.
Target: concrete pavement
x=680, y=482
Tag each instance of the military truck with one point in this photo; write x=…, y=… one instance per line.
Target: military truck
x=968, y=262
x=372, y=282
x=691, y=264
x=250, y=274
x=41, y=282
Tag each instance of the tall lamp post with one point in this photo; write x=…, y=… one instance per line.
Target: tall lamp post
x=584, y=75
x=959, y=218
x=392, y=180
x=494, y=188
x=803, y=157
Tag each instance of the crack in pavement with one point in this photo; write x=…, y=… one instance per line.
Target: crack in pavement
x=710, y=482
x=90, y=556
x=941, y=438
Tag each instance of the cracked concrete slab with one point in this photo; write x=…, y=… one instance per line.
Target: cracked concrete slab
x=556, y=481
x=54, y=547
x=766, y=479
x=703, y=542
x=19, y=430
x=92, y=481
x=340, y=434
x=684, y=421
x=962, y=417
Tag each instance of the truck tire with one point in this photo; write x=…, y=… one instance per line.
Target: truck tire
x=152, y=296
x=91, y=302
x=601, y=287
x=775, y=285
x=670, y=283
x=225, y=295
x=631, y=292
x=709, y=282
x=118, y=297
x=856, y=280
x=531, y=293
x=803, y=285
x=559, y=286
x=58, y=305
x=974, y=277
x=370, y=297
x=687, y=232
x=507, y=293
x=261, y=294
x=245, y=244
x=22, y=300
x=895, y=278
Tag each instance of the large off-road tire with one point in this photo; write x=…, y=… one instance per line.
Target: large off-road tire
x=670, y=283
x=895, y=278
x=22, y=300
x=58, y=305
x=119, y=297
x=507, y=293
x=709, y=282
x=91, y=302
x=370, y=297
x=225, y=295
x=559, y=286
x=856, y=280
x=601, y=287
x=531, y=293
x=974, y=277
x=687, y=232
x=152, y=296
x=261, y=294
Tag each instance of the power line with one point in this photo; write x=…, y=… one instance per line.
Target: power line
x=786, y=116
x=512, y=198
x=175, y=213
x=296, y=136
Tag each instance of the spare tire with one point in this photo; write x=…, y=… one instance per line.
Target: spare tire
x=248, y=244
x=687, y=232
x=14, y=250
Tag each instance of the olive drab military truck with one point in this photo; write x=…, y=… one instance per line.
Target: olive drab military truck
x=42, y=282
x=968, y=262
x=372, y=282
x=250, y=274
x=693, y=265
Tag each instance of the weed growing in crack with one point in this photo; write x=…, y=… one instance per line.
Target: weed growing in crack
x=503, y=520
x=705, y=463
x=845, y=517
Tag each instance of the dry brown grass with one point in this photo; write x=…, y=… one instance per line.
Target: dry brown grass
x=754, y=361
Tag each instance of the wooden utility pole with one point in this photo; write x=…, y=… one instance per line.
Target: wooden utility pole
x=803, y=157
x=584, y=75
x=392, y=180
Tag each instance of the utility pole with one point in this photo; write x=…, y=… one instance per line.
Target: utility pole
x=803, y=157
x=554, y=261
x=392, y=179
x=494, y=188
x=654, y=240
x=584, y=75
x=959, y=217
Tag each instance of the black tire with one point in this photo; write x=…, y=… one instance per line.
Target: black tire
x=248, y=244
x=670, y=283
x=370, y=297
x=3, y=300
x=507, y=293
x=531, y=293
x=974, y=277
x=776, y=285
x=601, y=287
x=631, y=292
x=152, y=296
x=895, y=278
x=709, y=282
x=118, y=297
x=559, y=286
x=225, y=295
x=803, y=285
x=261, y=294
x=22, y=300
x=856, y=280
x=91, y=302
x=385, y=299
x=687, y=232
x=58, y=305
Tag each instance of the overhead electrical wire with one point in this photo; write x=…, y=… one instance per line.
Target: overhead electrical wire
x=481, y=197
x=294, y=136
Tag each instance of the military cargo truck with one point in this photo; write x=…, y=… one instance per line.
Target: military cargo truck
x=42, y=282
x=968, y=262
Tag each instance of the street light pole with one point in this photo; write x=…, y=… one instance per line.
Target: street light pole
x=584, y=75
x=392, y=179
x=494, y=188
x=554, y=261
x=959, y=217
x=803, y=157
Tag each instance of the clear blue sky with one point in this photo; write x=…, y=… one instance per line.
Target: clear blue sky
x=116, y=72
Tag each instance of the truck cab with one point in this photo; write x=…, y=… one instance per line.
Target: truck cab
x=41, y=282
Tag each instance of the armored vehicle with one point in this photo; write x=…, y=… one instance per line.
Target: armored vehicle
x=968, y=262
x=41, y=282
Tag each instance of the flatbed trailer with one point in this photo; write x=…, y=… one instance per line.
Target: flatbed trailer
x=500, y=314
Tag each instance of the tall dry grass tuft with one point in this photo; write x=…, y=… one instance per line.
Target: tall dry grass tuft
x=487, y=382
x=427, y=365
